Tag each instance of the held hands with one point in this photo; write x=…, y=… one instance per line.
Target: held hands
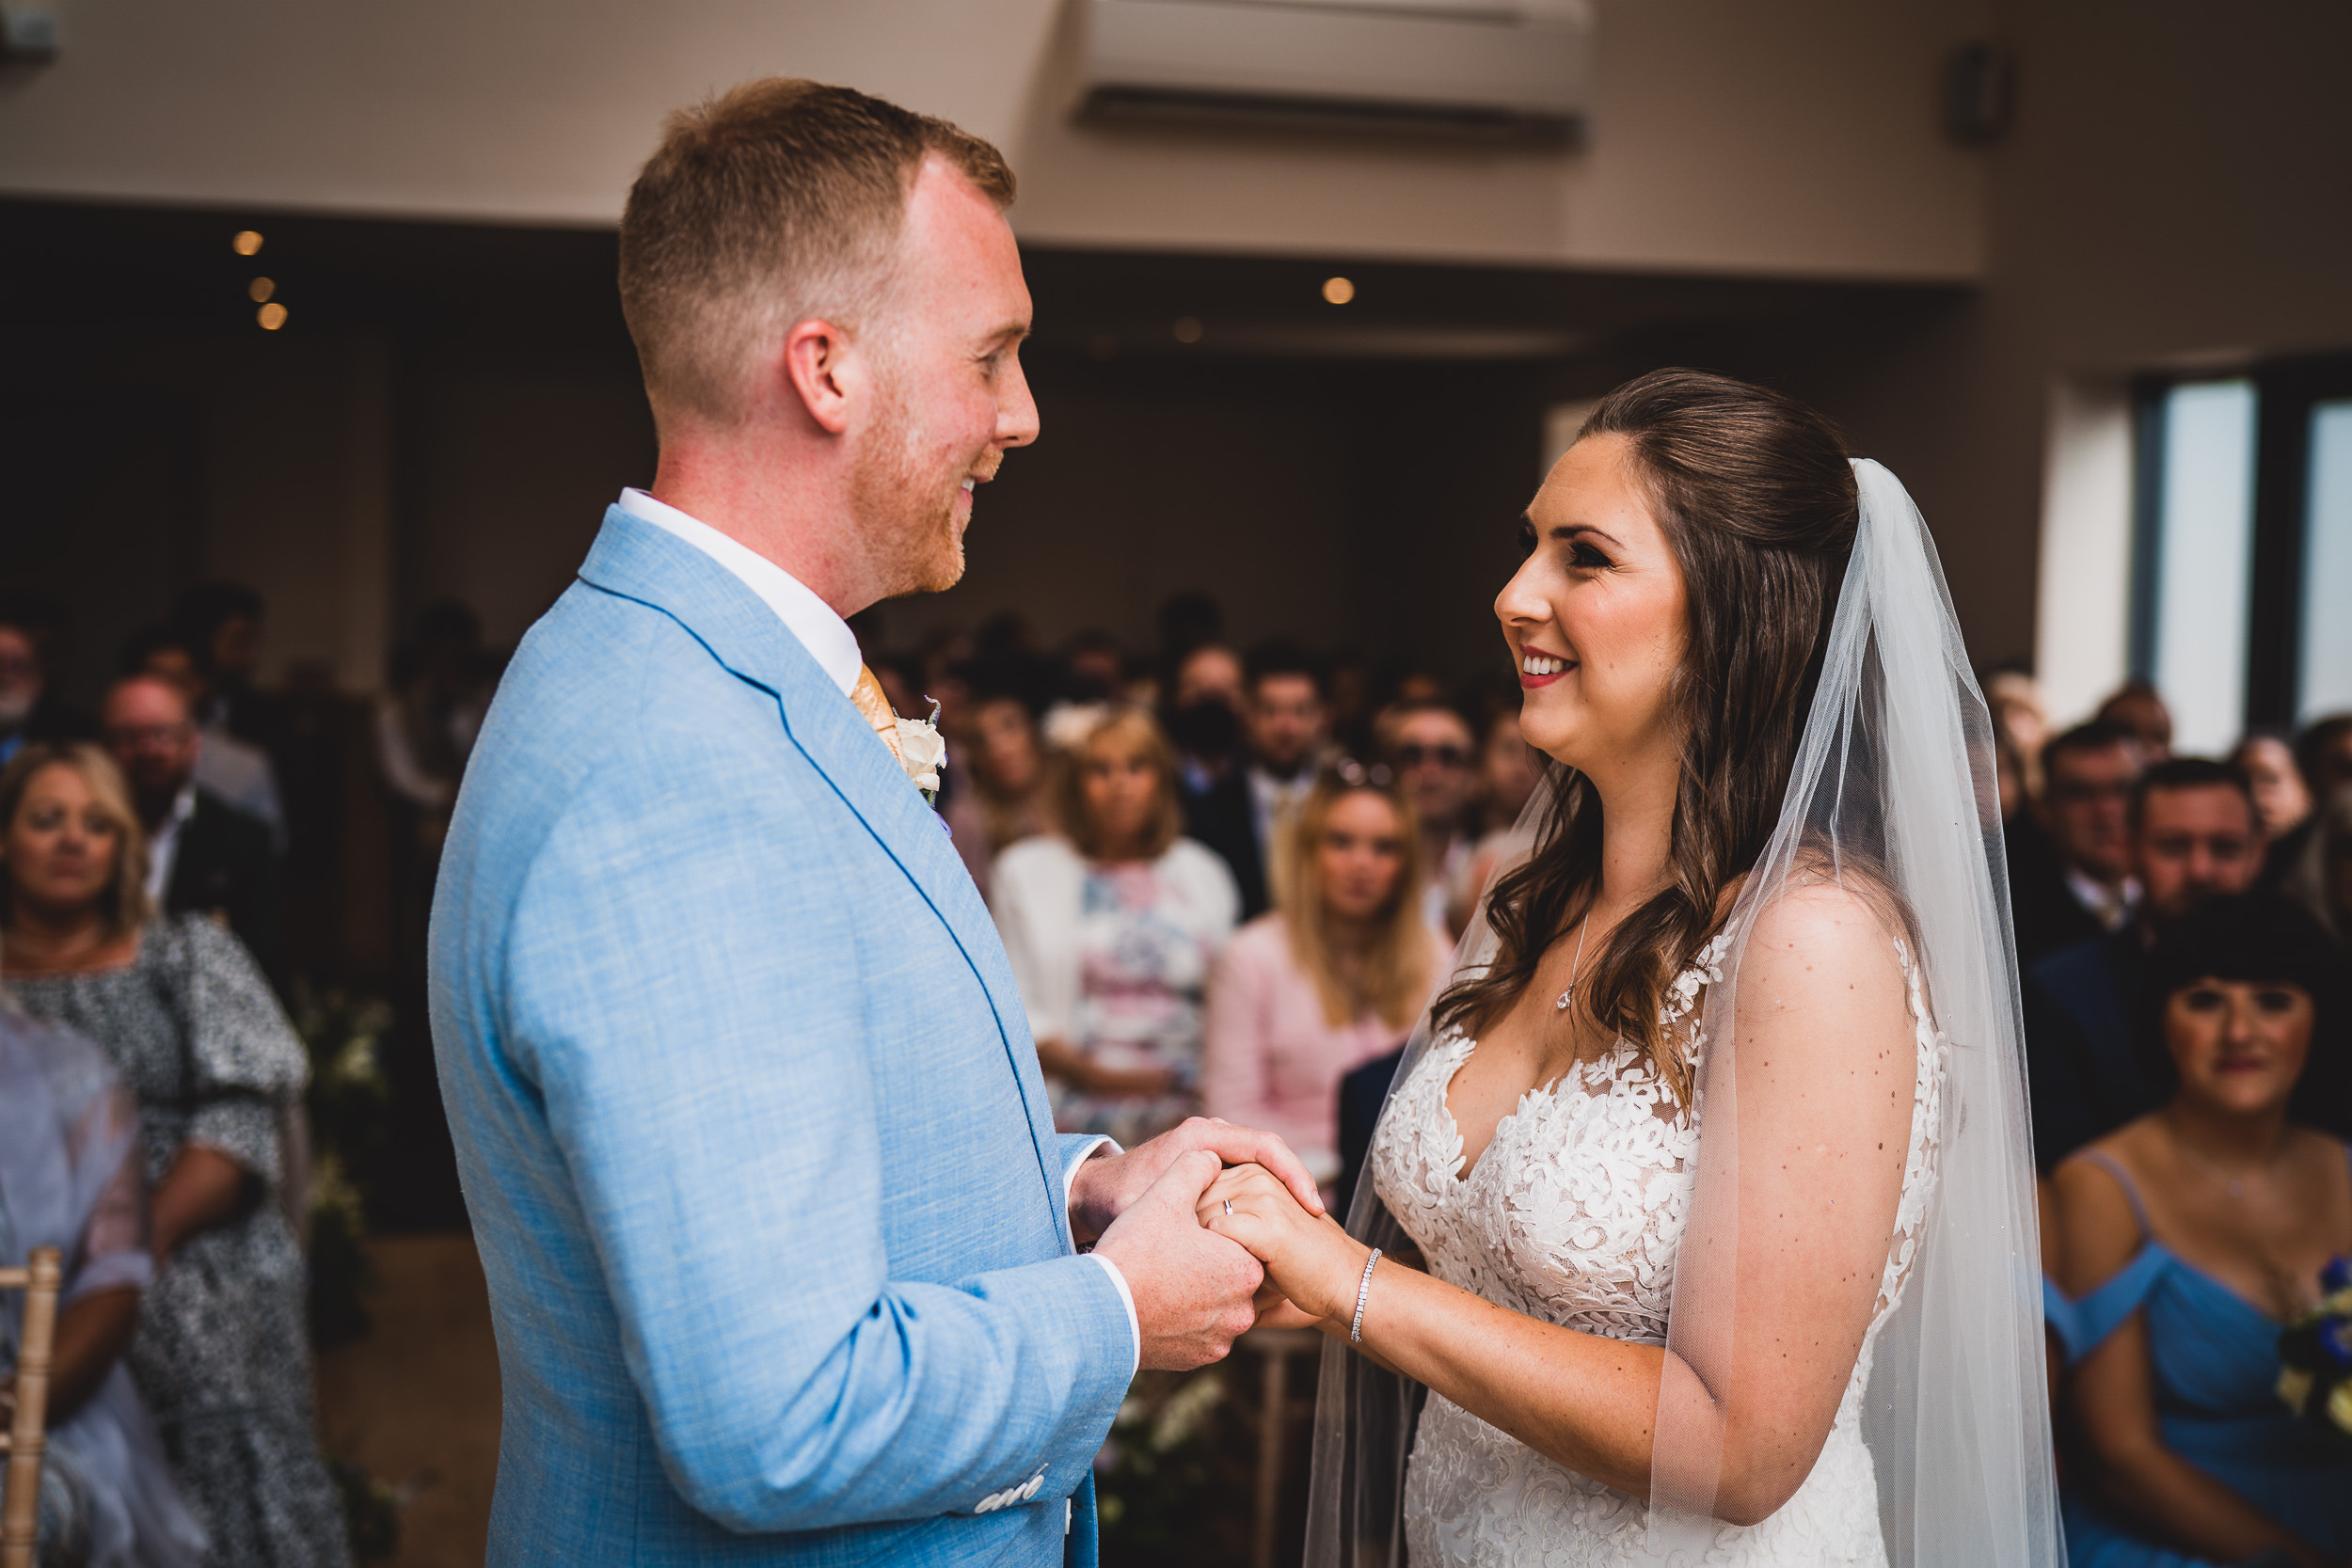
x=1106, y=1185
x=1195, y=1292
x=1312, y=1265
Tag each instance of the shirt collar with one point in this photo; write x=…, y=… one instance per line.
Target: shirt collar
x=825, y=634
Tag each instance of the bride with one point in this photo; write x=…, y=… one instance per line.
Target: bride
x=1700, y=1222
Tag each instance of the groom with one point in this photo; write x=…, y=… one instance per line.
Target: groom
x=783, y=1247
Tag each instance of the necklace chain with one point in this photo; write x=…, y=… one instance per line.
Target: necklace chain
x=1576, y=966
x=2234, y=1185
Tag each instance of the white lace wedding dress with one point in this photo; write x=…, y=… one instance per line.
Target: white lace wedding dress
x=1574, y=1213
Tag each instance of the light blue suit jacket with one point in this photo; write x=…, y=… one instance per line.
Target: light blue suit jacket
x=750, y=1120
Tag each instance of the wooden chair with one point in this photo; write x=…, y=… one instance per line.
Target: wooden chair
x=1274, y=1411
x=27, y=1439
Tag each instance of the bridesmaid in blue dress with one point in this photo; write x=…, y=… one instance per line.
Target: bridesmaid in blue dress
x=2190, y=1236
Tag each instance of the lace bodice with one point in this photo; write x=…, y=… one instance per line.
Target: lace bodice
x=1574, y=1213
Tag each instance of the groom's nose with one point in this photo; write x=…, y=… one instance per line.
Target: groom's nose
x=1016, y=410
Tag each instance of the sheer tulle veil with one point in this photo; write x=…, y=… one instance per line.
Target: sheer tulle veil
x=1893, y=786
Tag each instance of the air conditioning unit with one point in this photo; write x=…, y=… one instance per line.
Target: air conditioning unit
x=1491, y=69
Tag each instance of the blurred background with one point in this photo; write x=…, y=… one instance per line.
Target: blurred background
x=317, y=388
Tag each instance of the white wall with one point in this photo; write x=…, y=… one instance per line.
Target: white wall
x=2177, y=194
x=1793, y=138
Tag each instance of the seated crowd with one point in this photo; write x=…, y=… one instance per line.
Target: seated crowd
x=1224, y=881
x=1227, y=883
x=152, y=1090
x=2182, y=944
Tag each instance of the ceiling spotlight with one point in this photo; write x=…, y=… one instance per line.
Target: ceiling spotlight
x=1338, y=291
x=1187, y=329
x=261, y=289
x=271, y=317
x=247, y=241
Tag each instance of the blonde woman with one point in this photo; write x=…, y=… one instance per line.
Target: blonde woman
x=1111, y=927
x=221, y=1350
x=1328, y=980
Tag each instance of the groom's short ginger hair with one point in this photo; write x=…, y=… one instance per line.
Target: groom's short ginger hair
x=771, y=204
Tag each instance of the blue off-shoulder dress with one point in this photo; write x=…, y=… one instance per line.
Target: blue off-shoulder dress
x=2213, y=1357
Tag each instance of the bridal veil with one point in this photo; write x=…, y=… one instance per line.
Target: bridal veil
x=1891, y=794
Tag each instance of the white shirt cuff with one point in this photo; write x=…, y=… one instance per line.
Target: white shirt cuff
x=1126, y=1296
x=1126, y=1299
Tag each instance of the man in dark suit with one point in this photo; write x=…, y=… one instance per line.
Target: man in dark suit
x=204, y=854
x=29, y=710
x=2070, y=858
x=2192, y=836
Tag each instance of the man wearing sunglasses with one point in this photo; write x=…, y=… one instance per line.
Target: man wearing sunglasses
x=2071, y=857
x=1430, y=746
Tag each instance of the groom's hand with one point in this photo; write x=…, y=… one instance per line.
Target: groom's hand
x=1103, y=1188
x=1194, y=1289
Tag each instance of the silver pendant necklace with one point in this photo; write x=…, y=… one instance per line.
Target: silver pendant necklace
x=1576, y=965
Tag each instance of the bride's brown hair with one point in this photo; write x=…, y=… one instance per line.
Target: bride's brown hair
x=1757, y=500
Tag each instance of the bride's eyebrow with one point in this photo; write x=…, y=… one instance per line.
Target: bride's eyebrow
x=1570, y=530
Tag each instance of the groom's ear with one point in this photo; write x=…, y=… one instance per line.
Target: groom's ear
x=827, y=373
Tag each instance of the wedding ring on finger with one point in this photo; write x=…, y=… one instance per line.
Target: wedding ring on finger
x=1228, y=1206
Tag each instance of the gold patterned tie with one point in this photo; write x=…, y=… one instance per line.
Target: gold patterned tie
x=869, y=698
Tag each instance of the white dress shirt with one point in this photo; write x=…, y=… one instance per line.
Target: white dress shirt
x=825, y=634
x=163, y=843
x=834, y=646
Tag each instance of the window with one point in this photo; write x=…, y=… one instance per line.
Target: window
x=2241, y=601
x=2323, y=681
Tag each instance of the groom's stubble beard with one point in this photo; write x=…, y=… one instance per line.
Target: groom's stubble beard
x=903, y=496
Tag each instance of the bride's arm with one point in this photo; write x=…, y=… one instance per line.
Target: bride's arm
x=1826, y=1080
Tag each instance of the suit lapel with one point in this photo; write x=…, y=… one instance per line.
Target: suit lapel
x=639, y=561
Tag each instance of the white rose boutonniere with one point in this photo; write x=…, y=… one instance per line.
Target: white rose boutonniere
x=922, y=752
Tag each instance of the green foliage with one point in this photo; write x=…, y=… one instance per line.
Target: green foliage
x=371, y=1511
x=1173, y=1482
x=349, y=1103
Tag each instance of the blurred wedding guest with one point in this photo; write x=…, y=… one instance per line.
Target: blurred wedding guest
x=2190, y=1236
x=29, y=710
x=2321, y=880
x=2019, y=721
x=1430, y=746
x=1111, y=923
x=1004, y=801
x=1095, y=668
x=222, y=622
x=202, y=853
x=2281, y=799
x=901, y=680
x=1333, y=978
x=2009, y=782
x=1347, y=678
x=2323, y=756
x=1286, y=721
x=72, y=1178
x=2193, y=836
x=2137, y=710
x=221, y=1351
x=1212, y=779
x=1212, y=673
x=2070, y=860
x=425, y=727
x=236, y=770
x=1508, y=771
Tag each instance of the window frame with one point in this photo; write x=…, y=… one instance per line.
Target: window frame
x=2286, y=390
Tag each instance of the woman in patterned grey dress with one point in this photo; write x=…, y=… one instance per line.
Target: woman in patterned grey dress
x=221, y=1353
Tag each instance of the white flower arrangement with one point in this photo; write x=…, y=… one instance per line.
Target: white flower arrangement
x=922, y=752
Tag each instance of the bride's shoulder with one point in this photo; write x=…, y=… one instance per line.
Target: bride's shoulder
x=1818, y=942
